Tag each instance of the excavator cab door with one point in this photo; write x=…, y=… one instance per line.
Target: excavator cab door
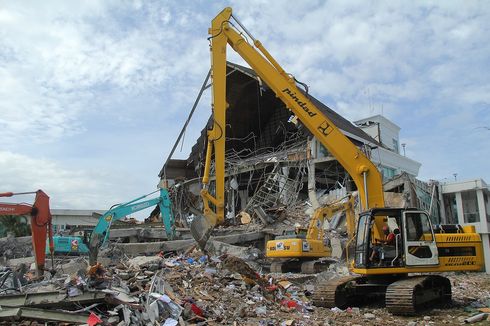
x=420, y=245
x=363, y=240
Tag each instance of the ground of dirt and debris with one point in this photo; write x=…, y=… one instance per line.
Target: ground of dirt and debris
x=471, y=297
x=198, y=289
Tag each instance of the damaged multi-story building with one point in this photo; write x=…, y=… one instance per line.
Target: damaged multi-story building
x=272, y=160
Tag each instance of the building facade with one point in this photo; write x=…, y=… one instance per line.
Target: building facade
x=387, y=157
x=468, y=203
x=67, y=219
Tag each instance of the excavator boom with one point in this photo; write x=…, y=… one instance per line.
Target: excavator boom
x=101, y=231
x=223, y=33
x=41, y=227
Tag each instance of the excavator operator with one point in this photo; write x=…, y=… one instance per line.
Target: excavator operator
x=389, y=240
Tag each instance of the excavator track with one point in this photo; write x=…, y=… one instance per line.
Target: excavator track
x=316, y=266
x=309, y=267
x=276, y=267
x=286, y=267
x=408, y=296
x=334, y=293
x=297, y=266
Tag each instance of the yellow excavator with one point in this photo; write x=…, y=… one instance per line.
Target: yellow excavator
x=303, y=251
x=419, y=247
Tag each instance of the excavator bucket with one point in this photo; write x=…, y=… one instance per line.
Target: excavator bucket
x=201, y=230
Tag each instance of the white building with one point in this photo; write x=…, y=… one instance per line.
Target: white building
x=65, y=219
x=388, y=158
x=468, y=203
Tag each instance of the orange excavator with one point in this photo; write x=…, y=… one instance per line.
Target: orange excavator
x=41, y=226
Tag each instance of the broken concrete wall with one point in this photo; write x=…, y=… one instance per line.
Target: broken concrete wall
x=414, y=193
x=266, y=152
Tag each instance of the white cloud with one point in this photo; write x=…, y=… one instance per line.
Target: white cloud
x=85, y=81
x=422, y=64
x=58, y=56
x=23, y=173
x=71, y=187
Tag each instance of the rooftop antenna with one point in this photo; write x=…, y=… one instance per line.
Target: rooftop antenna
x=455, y=175
x=403, y=145
x=370, y=102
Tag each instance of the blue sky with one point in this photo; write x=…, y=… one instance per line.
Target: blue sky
x=94, y=93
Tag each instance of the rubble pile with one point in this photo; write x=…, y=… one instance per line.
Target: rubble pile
x=197, y=289
x=153, y=290
x=472, y=292
x=14, y=247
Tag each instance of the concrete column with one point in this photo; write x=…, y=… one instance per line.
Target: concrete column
x=311, y=185
x=484, y=233
x=459, y=208
x=442, y=208
x=243, y=198
x=284, y=186
x=486, y=251
x=232, y=204
x=482, y=212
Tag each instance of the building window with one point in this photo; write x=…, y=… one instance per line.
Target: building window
x=322, y=151
x=487, y=206
x=388, y=173
x=395, y=146
x=451, y=208
x=318, y=150
x=470, y=207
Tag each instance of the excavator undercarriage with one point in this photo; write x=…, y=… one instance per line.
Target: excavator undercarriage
x=402, y=295
x=302, y=266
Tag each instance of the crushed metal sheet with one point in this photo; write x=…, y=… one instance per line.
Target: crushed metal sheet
x=23, y=313
x=48, y=299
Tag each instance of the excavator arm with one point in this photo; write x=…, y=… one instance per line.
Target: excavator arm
x=101, y=231
x=306, y=249
x=315, y=228
x=223, y=33
x=41, y=226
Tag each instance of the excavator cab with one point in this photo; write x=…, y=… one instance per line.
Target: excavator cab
x=412, y=241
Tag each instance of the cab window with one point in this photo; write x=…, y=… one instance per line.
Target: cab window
x=418, y=227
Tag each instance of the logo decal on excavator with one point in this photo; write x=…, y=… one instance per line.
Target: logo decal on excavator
x=325, y=128
x=306, y=246
x=74, y=245
x=139, y=207
x=301, y=104
x=108, y=218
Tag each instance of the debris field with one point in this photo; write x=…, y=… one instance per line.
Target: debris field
x=193, y=288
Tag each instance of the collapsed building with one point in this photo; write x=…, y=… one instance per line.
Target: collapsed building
x=272, y=161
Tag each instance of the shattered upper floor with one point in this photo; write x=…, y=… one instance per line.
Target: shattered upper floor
x=257, y=125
